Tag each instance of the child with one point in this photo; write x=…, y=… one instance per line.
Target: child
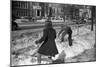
x=48, y=48
x=66, y=30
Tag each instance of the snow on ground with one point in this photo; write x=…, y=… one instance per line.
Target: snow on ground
x=83, y=39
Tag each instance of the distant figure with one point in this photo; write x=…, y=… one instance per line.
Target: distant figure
x=48, y=47
x=14, y=25
x=66, y=30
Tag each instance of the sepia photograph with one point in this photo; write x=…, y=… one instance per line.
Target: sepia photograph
x=44, y=33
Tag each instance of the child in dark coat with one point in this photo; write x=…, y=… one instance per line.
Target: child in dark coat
x=48, y=47
x=66, y=30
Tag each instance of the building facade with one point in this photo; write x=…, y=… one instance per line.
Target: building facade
x=26, y=9
x=35, y=9
x=56, y=9
x=39, y=10
x=21, y=8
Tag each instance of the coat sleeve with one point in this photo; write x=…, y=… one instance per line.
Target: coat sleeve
x=55, y=34
x=44, y=36
x=60, y=32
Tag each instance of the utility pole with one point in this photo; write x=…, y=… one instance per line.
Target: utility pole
x=49, y=11
x=46, y=9
x=77, y=17
x=64, y=14
x=93, y=16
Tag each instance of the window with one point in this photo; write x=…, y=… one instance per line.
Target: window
x=38, y=13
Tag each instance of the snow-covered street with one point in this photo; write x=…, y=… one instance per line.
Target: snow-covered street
x=24, y=49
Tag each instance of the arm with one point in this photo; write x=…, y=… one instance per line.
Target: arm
x=60, y=32
x=43, y=37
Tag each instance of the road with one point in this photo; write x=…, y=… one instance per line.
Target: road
x=24, y=26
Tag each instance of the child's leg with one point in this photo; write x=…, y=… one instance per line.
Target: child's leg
x=70, y=39
x=39, y=58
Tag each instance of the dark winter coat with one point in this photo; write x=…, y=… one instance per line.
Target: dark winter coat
x=48, y=47
x=66, y=29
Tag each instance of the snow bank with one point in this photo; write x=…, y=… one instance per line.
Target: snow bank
x=83, y=39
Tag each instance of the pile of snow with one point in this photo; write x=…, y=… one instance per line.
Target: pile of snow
x=85, y=39
x=81, y=42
